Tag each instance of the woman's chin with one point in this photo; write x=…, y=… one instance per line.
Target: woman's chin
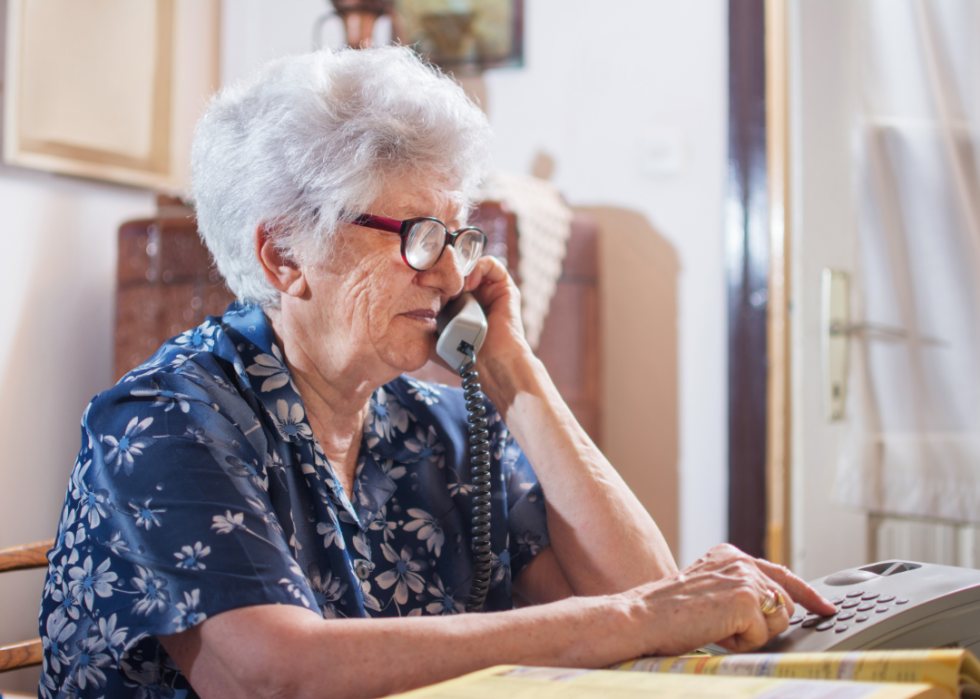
x=414, y=365
x=410, y=355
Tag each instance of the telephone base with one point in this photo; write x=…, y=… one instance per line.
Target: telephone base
x=890, y=605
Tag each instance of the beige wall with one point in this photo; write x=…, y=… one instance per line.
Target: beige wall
x=603, y=85
x=638, y=272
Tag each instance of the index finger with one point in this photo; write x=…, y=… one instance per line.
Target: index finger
x=797, y=588
x=487, y=269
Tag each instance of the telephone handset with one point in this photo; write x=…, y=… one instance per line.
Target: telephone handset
x=891, y=604
x=462, y=320
x=461, y=328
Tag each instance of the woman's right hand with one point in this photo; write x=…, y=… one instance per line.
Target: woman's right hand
x=718, y=599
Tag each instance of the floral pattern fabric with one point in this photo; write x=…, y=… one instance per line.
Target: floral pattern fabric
x=200, y=488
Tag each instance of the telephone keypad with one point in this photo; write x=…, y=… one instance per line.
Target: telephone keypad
x=847, y=610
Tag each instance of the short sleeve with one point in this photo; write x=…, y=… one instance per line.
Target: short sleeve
x=168, y=519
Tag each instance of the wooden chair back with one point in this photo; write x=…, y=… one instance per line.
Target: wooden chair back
x=165, y=283
x=25, y=557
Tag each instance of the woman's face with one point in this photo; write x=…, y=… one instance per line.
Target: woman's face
x=367, y=309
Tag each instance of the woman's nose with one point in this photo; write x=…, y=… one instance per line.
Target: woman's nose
x=446, y=274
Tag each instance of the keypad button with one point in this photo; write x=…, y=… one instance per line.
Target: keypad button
x=841, y=628
x=844, y=616
x=887, y=598
x=810, y=623
x=866, y=607
x=881, y=610
x=870, y=596
x=850, y=604
x=797, y=619
x=856, y=593
x=901, y=601
x=837, y=600
x=825, y=625
x=861, y=619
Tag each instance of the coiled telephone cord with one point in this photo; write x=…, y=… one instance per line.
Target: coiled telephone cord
x=480, y=477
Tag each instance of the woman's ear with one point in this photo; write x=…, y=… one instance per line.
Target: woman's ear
x=284, y=274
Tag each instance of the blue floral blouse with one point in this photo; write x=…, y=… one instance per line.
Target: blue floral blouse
x=200, y=488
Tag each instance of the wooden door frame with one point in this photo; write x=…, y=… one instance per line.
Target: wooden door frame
x=757, y=271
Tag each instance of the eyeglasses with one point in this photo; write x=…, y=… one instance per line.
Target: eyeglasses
x=424, y=239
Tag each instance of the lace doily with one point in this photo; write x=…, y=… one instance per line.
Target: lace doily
x=544, y=223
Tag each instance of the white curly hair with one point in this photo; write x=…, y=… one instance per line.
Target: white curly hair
x=316, y=135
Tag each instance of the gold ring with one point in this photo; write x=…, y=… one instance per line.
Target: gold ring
x=772, y=602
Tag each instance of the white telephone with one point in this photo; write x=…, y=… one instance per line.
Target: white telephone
x=891, y=604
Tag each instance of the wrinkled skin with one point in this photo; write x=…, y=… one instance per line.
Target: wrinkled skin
x=718, y=599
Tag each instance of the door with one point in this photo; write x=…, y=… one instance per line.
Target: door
x=823, y=106
x=828, y=102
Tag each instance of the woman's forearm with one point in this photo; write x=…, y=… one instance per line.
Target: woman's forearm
x=603, y=537
x=298, y=654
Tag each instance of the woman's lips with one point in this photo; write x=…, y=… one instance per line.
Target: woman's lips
x=421, y=314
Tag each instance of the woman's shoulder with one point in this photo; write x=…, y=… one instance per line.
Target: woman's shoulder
x=200, y=366
x=207, y=342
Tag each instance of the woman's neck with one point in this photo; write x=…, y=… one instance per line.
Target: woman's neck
x=336, y=395
x=337, y=431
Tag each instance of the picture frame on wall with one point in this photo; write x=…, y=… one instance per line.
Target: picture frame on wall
x=109, y=90
x=463, y=35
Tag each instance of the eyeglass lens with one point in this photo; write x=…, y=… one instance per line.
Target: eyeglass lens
x=424, y=244
x=426, y=239
x=469, y=246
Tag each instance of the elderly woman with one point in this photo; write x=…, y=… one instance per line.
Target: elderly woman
x=253, y=507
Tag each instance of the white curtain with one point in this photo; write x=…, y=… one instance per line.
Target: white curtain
x=912, y=446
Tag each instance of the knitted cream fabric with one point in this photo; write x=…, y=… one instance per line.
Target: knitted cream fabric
x=544, y=223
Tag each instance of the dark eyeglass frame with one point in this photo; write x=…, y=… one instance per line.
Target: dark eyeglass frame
x=403, y=228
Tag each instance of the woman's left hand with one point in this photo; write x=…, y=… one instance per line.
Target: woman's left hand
x=500, y=298
x=505, y=343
